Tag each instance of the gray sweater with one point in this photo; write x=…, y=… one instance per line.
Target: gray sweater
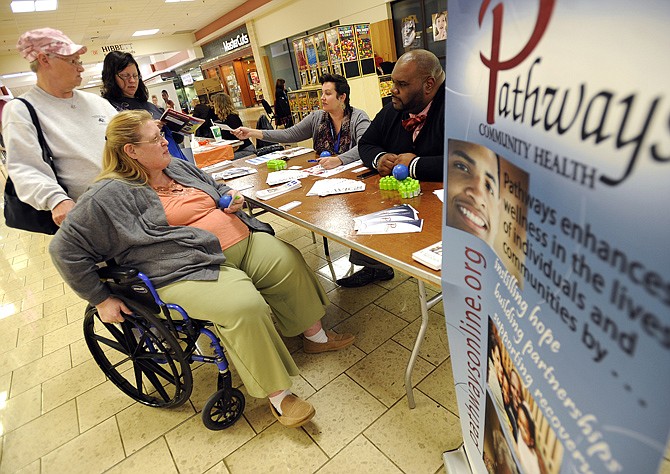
x=126, y=221
x=308, y=127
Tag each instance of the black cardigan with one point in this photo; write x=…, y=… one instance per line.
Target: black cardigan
x=387, y=135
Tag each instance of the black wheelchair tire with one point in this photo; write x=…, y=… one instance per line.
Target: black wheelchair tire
x=223, y=409
x=156, y=370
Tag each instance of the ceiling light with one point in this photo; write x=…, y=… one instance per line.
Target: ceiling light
x=146, y=32
x=176, y=1
x=25, y=6
x=45, y=5
x=18, y=74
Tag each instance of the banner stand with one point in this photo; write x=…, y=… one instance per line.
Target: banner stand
x=456, y=461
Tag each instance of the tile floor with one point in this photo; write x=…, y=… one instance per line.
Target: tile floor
x=58, y=414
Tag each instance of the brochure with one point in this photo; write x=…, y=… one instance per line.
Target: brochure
x=181, y=123
x=395, y=220
x=430, y=256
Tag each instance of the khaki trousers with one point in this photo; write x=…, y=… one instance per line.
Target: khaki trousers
x=261, y=273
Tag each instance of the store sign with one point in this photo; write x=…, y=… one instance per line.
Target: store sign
x=124, y=47
x=237, y=42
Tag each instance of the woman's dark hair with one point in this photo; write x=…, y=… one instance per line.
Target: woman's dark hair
x=341, y=87
x=280, y=84
x=531, y=423
x=115, y=62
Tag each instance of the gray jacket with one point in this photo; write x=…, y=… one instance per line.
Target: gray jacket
x=127, y=222
x=308, y=127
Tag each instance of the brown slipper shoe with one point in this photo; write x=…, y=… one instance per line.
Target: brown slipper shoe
x=335, y=343
x=295, y=412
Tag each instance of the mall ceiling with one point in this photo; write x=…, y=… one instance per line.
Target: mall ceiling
x=113, y=22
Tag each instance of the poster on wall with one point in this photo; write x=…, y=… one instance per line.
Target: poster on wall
x=556, y=273
x=440, y=21
x=411, y=33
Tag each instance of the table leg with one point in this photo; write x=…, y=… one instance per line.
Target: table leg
x=426, y=304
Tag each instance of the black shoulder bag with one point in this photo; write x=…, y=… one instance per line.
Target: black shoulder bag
x=20, y=215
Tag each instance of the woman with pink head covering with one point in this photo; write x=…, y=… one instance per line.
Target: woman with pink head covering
x=73, y=122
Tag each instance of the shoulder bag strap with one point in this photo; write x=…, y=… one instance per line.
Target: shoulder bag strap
x=46, y=151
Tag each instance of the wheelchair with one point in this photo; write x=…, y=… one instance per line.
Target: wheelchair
x=148, y=358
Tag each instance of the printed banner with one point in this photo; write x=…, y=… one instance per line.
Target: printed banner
x=556, y=268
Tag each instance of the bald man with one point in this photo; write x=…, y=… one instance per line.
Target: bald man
x=410, y=131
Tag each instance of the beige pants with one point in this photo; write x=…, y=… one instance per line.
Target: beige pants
x=260, y=273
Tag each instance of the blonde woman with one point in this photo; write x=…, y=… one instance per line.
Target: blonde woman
x=227, y=114
x=158, y=214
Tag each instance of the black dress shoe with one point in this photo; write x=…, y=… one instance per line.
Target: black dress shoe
x=365, y=276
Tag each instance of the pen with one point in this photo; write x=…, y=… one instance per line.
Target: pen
x=312, y=161
x=367, y=174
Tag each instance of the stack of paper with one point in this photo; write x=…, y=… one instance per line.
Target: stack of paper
x=217, y=166
x=233, y=173
x=284, y=176
x=279, y=155
x=319, y=170
x=325, y=187
x=396, y=220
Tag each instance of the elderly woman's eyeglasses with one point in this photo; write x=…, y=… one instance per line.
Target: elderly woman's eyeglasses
x=73, y=62
x=127, y=77
x=154, y=140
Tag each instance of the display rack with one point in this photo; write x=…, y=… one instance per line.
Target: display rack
x=345, y=50
x=385, y=85
x=302, y=102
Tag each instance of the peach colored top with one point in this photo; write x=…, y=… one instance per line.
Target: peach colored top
x=193, y=207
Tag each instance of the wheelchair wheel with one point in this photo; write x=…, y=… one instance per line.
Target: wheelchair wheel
x=223, y=409
x=140, y=356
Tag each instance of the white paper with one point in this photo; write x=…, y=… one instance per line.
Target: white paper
x=320, y=171
x=283, y=176
x=440, y=194
x=217, y=166
x=326, y=187
x=234, y=173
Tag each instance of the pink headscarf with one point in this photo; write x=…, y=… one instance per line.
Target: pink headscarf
x=47, y=40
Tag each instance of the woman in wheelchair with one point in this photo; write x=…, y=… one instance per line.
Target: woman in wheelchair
x=158, y=214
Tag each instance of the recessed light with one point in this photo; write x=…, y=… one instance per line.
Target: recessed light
x=146, y=32
x=26, y=6
x=18, y=74
x=22, y=6
x=45, y=5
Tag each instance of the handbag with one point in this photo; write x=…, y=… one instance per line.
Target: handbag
x=20, y=215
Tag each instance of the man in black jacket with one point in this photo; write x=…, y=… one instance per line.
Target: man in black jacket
x=409, y=130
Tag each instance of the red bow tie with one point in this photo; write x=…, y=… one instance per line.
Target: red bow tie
x=412, y=123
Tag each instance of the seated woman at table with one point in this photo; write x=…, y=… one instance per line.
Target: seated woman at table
x=159, y=215
x=336, y=128
x=227, y=113
x=123, y=87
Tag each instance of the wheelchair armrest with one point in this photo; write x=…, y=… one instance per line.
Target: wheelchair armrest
x=121, y=275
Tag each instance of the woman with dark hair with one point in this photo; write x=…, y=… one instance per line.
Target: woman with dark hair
x=282, y=107
x=529, y=455
x=123, y=87
x=225, y=110
x=336, y=128
x=205, y=112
